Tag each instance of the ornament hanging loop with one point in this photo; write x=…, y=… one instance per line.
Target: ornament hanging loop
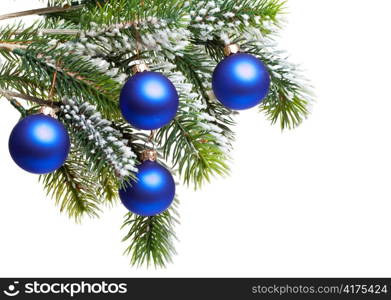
x=231, y=49
x=152, y=136
x=149, y=154
x=151, y=139
x=49, y=111
x=139, y=68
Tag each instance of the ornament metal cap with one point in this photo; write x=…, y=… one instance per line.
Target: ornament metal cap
x=231, y=49
x=48, y=111
x=139, y=68
x=149, y=154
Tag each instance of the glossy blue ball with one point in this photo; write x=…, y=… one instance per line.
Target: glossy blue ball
x=241, y=81
x=153, y=191
x=149, y=100
x=39, y=144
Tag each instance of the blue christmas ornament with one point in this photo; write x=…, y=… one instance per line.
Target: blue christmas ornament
x=149, y=100
x=39, y=144
x=153, y=191
x=241, y=81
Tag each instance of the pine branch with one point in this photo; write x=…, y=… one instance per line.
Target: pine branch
x=137, y=140
x=14, y=81
x=211, y=20
x=57, y=31
x=197, y=66
x=40, y=11
x=39, y=30
x=119, y=11
x=17, y=106
x=12, y=46
x=151, y=238
x=193, y=149
x=115, y=46
x=28, y=98
x=75, y=76
x=76, y=191
x=290, y=95
x=108, y=155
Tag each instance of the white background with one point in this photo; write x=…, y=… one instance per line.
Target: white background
x=311, y=202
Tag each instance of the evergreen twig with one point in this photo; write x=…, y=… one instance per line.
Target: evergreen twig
x=12, y=46
x=40, y=11
x=75, y=189
x=17, y=106
x=28, y=98
x=151, y=238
